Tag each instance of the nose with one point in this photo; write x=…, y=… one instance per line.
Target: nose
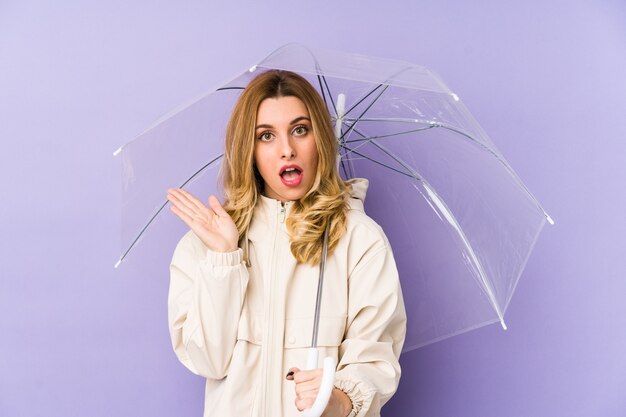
x=287, y=150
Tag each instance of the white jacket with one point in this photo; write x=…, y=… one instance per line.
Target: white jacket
x=242, y=327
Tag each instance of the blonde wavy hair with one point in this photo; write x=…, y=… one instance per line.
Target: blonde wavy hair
x=324, y=204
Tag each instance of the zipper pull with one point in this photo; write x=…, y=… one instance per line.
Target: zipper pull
x=282, y=212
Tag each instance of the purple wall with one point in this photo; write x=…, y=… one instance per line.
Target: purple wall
x=78, y=80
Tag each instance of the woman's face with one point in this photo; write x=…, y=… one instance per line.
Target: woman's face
x=285, y=152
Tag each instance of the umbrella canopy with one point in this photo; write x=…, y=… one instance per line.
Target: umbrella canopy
x=460, y=221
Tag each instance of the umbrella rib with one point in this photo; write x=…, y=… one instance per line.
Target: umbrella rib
x=364, y=111
x=363, y=141
x=378, y=162
x=472, y=139
x=431, y=125
x=341, y=161
x=162, y=207
x=393, y=119
x=343, y=134
x=319, y=80
x=398, y=160
x=343, y=165
x=348, y=172
x=230, y=88
x=386, y=83
x=363, y=99
x=330, y=95
x=435, y=125
x=443, y=126
x=385, y=136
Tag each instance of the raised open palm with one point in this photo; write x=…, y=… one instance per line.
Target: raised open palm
x=211, y=224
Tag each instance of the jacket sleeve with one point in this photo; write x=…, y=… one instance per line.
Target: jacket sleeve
x=369, y=370
x=205, y=298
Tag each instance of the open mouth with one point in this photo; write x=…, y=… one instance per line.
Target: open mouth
x=291, y=175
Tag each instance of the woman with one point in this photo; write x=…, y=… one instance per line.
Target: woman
x=244, y=278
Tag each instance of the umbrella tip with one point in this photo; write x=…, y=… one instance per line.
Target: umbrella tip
x=118, y=263
x=503, y=324
x=252, y=68
x=117, y=151
x=549, y=219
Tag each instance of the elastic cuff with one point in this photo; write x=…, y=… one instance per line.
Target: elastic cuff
x=354, y=392
x=224, y=258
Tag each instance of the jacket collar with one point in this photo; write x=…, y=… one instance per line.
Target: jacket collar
x=268, y=214
x=357, y=193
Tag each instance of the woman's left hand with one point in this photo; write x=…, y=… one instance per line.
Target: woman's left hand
x=307, y=388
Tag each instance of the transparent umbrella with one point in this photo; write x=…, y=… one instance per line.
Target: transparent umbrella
x=460, y=221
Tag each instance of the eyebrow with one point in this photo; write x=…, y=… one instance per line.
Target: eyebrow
x=293, y=122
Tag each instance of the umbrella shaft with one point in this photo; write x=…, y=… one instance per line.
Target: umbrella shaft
x=320, y=284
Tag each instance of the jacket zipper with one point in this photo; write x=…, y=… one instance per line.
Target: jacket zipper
x=272, y=315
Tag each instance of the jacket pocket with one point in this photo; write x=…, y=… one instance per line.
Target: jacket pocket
x=299, y=332
x=250, y=328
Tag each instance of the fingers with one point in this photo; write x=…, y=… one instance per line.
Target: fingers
x=307, y=386
x=189, y=204
x=301, y=377
x=217, y=206
x=291, y=372
x=191, y=199
x=180, y=202
x=215, y=228
x=305, y=403
x=184, y=217
x=306, y=399
x=188, y=200
x=310, y=385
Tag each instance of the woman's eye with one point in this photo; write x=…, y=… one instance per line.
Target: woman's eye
x=300, y=130
x=265, y=136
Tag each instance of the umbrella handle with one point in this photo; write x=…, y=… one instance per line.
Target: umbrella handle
x=326, y=388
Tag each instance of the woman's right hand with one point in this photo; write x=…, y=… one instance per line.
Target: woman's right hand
x=212, y=224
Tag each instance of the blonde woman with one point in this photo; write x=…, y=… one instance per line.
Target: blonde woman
x=244, y=278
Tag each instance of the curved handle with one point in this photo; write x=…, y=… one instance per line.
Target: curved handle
x=326, y=388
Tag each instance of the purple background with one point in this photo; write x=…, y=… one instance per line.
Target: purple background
x=78, y=79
